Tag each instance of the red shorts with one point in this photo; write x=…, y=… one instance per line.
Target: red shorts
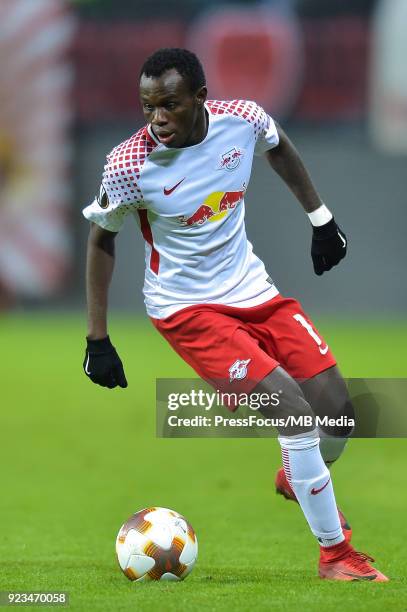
x=235, y=348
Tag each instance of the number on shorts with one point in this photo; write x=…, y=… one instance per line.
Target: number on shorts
x=308, y=327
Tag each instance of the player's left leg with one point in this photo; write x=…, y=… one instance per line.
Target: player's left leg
x=309, y=478
x=290, y=336
x=328, y=395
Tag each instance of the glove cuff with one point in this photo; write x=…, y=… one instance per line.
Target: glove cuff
x=99, y=346
x=325, y=231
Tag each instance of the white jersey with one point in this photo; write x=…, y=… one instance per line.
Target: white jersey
x=189, y=203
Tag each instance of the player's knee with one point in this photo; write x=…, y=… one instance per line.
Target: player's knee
x=340, y=412
x=293, y=413
x=328, y=395
x=298, y=416
x=331, y=447
x=333, y=439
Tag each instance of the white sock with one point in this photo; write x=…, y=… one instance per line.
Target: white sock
x=311, y=482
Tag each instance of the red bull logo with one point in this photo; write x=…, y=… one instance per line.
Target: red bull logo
x=230, y=200
x=214, y=208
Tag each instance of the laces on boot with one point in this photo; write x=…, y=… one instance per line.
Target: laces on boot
x=359, y=561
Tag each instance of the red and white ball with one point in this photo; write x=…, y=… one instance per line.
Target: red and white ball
x=156, y=544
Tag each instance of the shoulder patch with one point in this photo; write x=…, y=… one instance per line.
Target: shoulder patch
x=102, y=198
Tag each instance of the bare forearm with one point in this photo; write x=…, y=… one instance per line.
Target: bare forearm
x=99, y=271
x=286, y=161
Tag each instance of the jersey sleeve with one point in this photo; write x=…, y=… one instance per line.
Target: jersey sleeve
x=265, y=131
x=119, y=192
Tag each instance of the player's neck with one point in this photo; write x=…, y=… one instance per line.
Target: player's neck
x=200, y=130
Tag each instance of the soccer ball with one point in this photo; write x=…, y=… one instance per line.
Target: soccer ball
x=156, y=544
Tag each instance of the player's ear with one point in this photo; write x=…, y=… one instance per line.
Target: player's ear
x=201, y=95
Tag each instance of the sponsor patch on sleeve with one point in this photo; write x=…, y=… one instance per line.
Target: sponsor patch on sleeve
x=102, y=198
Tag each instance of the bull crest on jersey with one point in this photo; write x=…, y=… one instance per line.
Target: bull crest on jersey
x=231, y=159
x=238, y=370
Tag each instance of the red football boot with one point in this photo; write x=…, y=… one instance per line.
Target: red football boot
x=342, y=562
x=283, y=487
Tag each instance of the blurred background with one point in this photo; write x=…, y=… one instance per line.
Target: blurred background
x=331, y=72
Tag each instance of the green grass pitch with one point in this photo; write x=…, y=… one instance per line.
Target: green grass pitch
x=77, y=460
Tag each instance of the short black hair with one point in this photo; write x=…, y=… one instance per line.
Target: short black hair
x=183, y=61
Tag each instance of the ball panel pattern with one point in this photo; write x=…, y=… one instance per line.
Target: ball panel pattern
x=156, y=544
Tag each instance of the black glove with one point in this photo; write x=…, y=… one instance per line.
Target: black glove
x=102, y=364
x=328, y=246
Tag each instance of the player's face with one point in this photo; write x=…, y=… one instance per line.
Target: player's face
x=177, y=115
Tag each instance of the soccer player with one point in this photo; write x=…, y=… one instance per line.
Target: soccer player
x=183, y=176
